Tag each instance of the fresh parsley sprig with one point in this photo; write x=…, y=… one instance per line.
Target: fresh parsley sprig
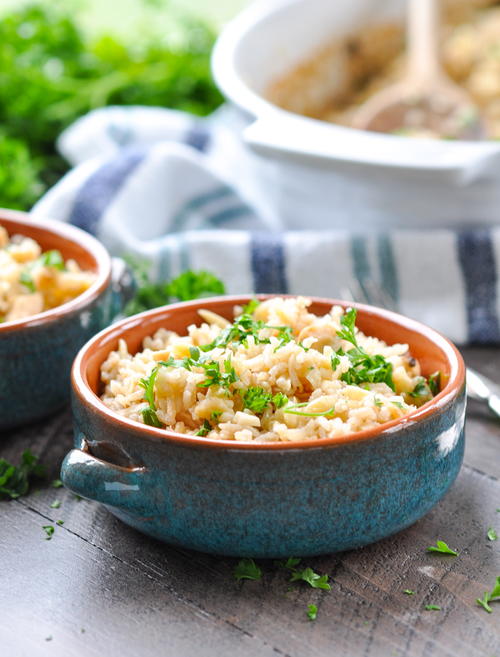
x=364, y=367
x=15, y=480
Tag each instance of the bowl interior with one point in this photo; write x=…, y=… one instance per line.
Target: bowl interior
x=432, y=350
x=49, y=239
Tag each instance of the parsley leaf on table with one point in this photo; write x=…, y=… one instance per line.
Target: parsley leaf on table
x=247, y=569
x=409, y=592
x=442, y=548
x=492, y=534
x=432, y=608
x=14, y=480
x=490, y=596
x=313, y=579
x=312, y=611
x=49, y=530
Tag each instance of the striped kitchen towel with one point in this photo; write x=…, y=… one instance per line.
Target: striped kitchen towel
x=180, y=192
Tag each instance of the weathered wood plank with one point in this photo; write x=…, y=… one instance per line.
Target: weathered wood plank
x=365, y=614
x=135, y=596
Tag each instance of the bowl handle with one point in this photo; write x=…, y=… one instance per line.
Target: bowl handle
x=90, y=477
x=123, y=286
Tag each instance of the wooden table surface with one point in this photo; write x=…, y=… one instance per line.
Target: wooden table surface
x=100, y=588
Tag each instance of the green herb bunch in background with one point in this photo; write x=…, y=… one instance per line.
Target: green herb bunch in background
x=50, y=74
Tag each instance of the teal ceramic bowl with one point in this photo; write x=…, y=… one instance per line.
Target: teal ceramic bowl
x=274, y=499
x=36, y=353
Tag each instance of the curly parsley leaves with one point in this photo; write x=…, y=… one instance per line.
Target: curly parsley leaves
x=189, y=285
x=256, y=399
x=364, y=367
x=15, y=480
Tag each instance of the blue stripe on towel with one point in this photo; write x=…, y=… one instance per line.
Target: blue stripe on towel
x=100, y=189
x=477, y=259
x=198, y=137
x=359, y=257
x=182, y=217
x=387, y=264
x=268, y=263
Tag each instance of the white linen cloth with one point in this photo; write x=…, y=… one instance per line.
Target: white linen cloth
x=179, y=191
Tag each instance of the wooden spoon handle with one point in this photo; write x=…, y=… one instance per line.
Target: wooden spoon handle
x=423, y=22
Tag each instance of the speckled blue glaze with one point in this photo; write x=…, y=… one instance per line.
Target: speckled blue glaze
x=262, y=503
x=35, y=361
x=36, y=353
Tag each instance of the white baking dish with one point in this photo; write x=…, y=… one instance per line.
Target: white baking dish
x=340, y=175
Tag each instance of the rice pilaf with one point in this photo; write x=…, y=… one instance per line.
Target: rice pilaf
x=277, y=373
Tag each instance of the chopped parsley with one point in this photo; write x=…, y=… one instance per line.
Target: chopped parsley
x=247, y=569
x=15, y=480
x=51, y=258
x=435, y=383
x=55, y=504
x=421, y=389
x=312, y=611
x=409, y=592
x=251, y=306
x=432, y=608
x=292, y=410
x=57, y=483
x=256, y=399
x=490, y=596
x=442, y=548
x=215, y=415
x=49, y=530
x=26, y=279
x=244, y=327
x=491, y=534
x=60, y=523
x=280, y=400
x=216, y=377
x=364, y=367
x=398, y=405
x=204, y=429
x=149, y=414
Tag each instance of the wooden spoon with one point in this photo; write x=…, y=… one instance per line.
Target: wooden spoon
x=426, y=102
